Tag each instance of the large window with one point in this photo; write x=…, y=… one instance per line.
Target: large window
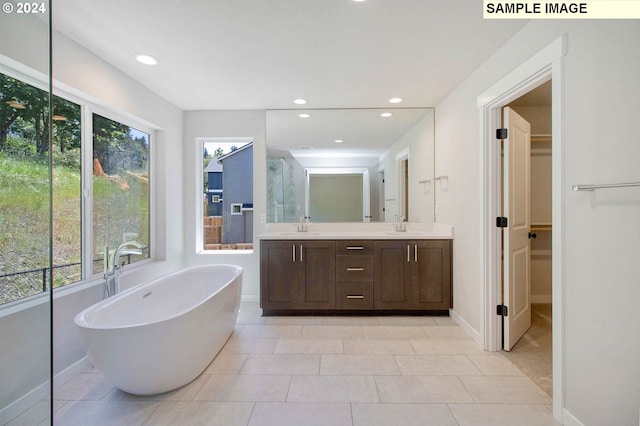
x=227, y=210
x=119, y=199
x=120, y=188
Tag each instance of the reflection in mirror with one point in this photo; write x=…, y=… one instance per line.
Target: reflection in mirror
x=350, y=165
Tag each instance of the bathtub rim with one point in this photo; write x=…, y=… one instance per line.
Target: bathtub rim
x=81, y=321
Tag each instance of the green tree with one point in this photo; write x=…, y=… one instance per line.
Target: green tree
x=21, y=101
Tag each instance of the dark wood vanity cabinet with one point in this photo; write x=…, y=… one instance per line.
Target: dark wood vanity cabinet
x=431, y=287
x=297, y=275
x=354, y=275
x=412, y=275
x=362, y=275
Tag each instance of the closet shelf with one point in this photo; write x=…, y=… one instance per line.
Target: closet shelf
x=541, y=227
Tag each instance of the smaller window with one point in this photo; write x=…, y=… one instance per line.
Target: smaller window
x=216, y=199
x=236, y=209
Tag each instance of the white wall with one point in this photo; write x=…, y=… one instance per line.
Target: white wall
x=419, y=140
x=600, y=238
x=221, y=124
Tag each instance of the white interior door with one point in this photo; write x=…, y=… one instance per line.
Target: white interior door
x=517, y=247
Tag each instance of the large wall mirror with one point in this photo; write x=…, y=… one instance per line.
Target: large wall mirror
x=350, y=165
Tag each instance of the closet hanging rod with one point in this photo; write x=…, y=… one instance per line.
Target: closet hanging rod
x=606, y=185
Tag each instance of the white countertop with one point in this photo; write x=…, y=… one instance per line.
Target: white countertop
x=357, y=231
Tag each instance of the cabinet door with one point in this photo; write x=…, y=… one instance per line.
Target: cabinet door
x=317, y=289
x=280, y=272
x=392, y=275
x=431, y=275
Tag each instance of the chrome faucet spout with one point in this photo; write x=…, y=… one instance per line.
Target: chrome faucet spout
x=112, y=264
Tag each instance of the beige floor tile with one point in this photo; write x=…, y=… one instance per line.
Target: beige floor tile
x=333, y=331
x=446, y=346
x=296, y=414
x=392, y=331
x=506, y=390
x=495, y=365
x=442, y=331
x=348, y=320
x=402, y=414
x=309, y=346
x=271, y=331
x=201, y=413
x=246, y=388
x=502, y=415
x=185, y=393
x=249, y=345
x=358, y=365
x=444, y=321
x=281, y=364
x=436, y=365
x=377, y=346
x=85, y=387
x=103, y=413
x=422, y=389
x=332, y=389
x=294, y=320
x=412, y=321
x=225, y=363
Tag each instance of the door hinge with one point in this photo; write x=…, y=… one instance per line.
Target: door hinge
x=502, y=311
x=501, y=222
x=501, y=134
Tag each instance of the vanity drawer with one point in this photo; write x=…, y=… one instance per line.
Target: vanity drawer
x=354, y=247
x=354, y=296
x=354, y=268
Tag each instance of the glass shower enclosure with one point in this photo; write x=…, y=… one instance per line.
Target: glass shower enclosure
x=26, y=248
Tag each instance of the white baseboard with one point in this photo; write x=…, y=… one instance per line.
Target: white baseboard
x=569, y=419
x=540, y=298
x=24, y=403
x=72, y=371
x=41, y=392
x=475, y=335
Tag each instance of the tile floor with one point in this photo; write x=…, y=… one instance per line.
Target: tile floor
x=324, y=371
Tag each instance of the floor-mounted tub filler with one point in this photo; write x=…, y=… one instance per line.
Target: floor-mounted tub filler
x=161, y=335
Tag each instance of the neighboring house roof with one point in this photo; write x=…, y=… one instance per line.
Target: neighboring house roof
x=242, y=148
x=213, y=166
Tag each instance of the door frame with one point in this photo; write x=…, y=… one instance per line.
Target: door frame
x=547, y=64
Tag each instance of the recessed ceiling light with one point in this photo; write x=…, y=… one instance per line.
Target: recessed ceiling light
x=395, y=100
x=386, y=114
x=304, y=115
x=338, y=141
x=146, y=59
x=299, y=101
x=359, y=1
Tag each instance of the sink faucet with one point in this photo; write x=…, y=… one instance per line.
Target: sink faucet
x=303, y=225
x=400, y=224
x=112, y=264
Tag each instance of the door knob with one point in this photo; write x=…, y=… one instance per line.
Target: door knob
x=533, y=235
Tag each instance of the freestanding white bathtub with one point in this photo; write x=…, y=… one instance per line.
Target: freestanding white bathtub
x=159, y=336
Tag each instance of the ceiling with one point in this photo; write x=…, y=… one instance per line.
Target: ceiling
x=261, y=54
